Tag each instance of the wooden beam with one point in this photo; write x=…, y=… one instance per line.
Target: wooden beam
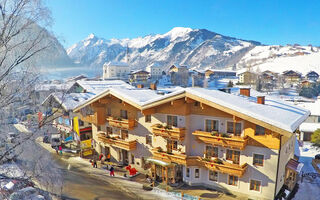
x=188, y=100
x=104, y=101
x=148, y=111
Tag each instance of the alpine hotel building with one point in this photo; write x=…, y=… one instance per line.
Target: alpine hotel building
x=236, y=142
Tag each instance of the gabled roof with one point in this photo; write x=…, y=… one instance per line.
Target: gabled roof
x=99, y=86
x=274, y=114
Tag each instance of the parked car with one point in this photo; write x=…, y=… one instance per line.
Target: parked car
x=46, y=139
x=317, y=157
x=11, y=137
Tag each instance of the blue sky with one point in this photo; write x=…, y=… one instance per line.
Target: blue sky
x=266, y=21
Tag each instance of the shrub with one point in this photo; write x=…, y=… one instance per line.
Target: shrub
x=315, y=138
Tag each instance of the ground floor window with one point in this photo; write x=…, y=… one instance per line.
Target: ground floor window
x=132, y=159
x=233, y=180
x=213, y=176
x=188, y=172
x=255, y=185
x=196, y=173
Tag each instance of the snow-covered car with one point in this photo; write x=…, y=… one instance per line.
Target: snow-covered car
x=11, y=137
x=28, y=193
x=55, y=140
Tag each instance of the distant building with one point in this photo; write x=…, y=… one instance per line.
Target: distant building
x=197, y=78
x=116, y=70
x=139, y=76
x=155, y=71
x=312, y=76
x=179, y=75
x=247, y=78
x=215, y=73
x=291, y=76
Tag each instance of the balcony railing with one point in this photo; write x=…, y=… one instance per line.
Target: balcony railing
x=89, y=118
x=218, y=165
x=118, y=142
x=229, y=141
x=169, y=157
x=121, y=123
x=168, y=132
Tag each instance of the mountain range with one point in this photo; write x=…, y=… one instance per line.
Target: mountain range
x=196, y=48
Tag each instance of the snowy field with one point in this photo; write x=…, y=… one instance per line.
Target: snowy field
x=308, y=189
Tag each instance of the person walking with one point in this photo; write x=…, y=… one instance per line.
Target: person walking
x=56, y=148
x=95, y=161
x=108, y=157
x=60, y=149
x=111, y=171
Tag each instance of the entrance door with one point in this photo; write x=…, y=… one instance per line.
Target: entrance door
x=125, y=157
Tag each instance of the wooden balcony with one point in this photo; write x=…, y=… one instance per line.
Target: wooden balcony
x=169, y=158
x=118, y=142
x=223, y=167
x=89, y=118
x=231, y=141
x=172, y=132
x=121, y=123
x=98, y=118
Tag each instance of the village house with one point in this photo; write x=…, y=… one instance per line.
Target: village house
x=216, y=73
x=116, y=70
x=179, y=75
x=139, y=76
x=312, y=76
x=155, y=71
x=235, y=142
x=247, y=78
x=291, y=76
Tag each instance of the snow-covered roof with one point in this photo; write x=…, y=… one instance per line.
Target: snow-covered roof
x=69, y=101
x=99, y=86
x=52, y=86
x=309, y=127
x=275, y=112
x=313, y=107
x=139, y=71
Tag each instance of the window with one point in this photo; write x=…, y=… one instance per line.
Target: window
x=81, y=123
x=318, y=119
x=123, y=114
x=230, y=128
x=188, y=172
x=148, y=139
x=212, y=125
x=260, y=130
x=147, y=118
x=258, y=159
x=109, y=130
x=196, y=173
x=120, y=101
x=172, y=120
x=197, y=103
x=255, y=185
x=109, y=111
x=233, y=180
x=172, y=145
x=99, y=128
x=132, y=159
x=233, y=155
x=211, y=151
x=124, y=134
x=213, y=175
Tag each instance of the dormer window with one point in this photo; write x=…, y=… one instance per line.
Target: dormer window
x=260, y=130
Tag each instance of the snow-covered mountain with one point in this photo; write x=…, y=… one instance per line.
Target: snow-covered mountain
x=197, y=48
x=280, y=58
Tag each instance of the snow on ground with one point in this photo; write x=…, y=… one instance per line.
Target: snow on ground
x=11, y=170
x=308, y=190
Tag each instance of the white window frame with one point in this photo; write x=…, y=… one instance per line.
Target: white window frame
x=255, y=190
x=195, y=173
x=172, y=115
x=241, y=122
x=215, y=119
x=225, y=157
x=264, y=159
x=218, y=177
x=204, y=149
x=238, y=183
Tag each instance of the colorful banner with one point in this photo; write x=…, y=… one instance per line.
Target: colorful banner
x=86, y=144
x=76, y=125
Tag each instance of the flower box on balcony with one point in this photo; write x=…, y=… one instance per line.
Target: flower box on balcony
x=168, y=132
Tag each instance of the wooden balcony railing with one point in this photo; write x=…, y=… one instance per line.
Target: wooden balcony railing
x=98, y=118
x=230, y=141
x=121, y=123
x=89, y=118
x=169, y=132
x=221, y=166
x=118, y=142
x=168, y=157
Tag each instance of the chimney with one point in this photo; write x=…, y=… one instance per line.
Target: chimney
x=140, y=86
x=260, y=99
x=153, y=86
x=245, y=92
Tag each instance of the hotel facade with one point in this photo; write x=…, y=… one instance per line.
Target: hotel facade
x=238, y=142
